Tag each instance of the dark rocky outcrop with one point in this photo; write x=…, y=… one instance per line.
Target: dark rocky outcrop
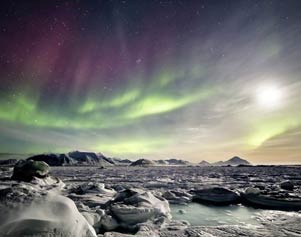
x=26, y=170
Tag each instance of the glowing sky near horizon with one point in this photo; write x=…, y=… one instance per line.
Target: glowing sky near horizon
x=157, y=79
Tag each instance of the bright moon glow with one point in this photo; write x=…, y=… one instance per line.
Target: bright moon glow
x=269, y=96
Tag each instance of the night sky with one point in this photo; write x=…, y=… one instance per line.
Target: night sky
x=183, y=79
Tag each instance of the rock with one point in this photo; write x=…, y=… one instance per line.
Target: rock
x=143, y=162
x=287, y=185
x=25, y=170
x=136, y=206
x=216, y=196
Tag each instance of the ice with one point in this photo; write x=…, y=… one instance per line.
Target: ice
x=127, y=200
x=53, y=215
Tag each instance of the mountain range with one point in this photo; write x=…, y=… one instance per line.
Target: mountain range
x=82, y=158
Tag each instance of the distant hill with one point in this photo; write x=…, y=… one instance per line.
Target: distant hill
x=234, y=161
x=204, y=163
x=143, y=162
x=119, y=161
x=172, y=162
x=161, y=162
x=54, y=159
x=218, y=163
x=10, y=159
x=237, y=161
x=73, y=158
x=177, y=162
x=87, y=158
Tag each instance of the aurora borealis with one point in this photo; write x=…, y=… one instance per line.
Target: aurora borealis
x=154, y=79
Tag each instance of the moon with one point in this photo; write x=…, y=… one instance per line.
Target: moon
x=269, y=96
